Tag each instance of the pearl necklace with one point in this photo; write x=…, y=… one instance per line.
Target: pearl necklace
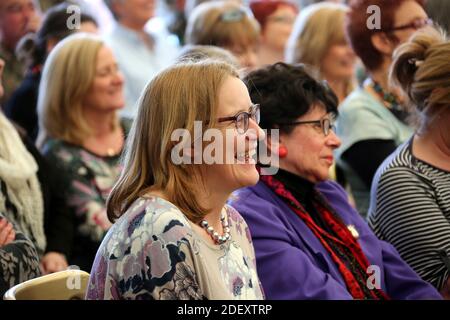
x=214, y=234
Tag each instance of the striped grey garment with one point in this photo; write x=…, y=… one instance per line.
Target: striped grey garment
x=410, y=208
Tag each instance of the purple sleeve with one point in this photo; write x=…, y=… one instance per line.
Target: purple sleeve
x=401, y=281
x=284, y=268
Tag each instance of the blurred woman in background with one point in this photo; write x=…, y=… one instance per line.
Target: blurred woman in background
x=324, y=46
x=410, y=203
x=34, y=48
x=372, y=121
x=226, y=24
x=80, y=132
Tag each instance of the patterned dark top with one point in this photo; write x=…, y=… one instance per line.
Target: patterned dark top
x=19, y=262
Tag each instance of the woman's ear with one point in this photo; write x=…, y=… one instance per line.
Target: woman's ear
x=383, y=43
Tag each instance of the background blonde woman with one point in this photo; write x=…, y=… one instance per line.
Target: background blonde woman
x=80, y=93
x=175, y=237
x=225, y=24
x=318, y=39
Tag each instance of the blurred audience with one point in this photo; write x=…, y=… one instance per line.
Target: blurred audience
x=276, y=19
x=80, y=93
x=31, y=196
x=17, y=18
x=372, y=121
x=301, y=223
x=324, y=46
x=410, y=204
x=141, y=54
x=226, y=24
x=21, y=107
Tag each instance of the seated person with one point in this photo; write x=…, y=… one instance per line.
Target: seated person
x=19, y=260
x=372, y=120
x=309, y=241
x=34, y=48
x=30, y=195
x=80, y=94
x=410, y=203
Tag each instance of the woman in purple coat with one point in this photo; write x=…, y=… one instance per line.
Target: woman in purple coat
x=310, y=243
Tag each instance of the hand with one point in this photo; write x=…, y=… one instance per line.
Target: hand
x=53, y=262
x=7, y=233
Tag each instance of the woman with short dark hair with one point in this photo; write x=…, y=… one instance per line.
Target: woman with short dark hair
x=301, y=223
x=410, y=204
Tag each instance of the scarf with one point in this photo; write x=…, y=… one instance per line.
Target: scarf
x=20, y=195
x=342, y=241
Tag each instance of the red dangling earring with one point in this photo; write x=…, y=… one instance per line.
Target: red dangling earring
x=282, y=152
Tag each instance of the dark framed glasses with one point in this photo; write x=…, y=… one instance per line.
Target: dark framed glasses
x=415, y=24
x=242, y=119
x=325, y=124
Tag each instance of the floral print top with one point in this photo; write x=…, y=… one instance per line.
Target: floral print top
x=153, y=252
x=89, y=179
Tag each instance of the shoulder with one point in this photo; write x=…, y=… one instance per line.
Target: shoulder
x=358, y=101
x=149, y=247
x=254, y=201
x=148, y=221
x=55, y=149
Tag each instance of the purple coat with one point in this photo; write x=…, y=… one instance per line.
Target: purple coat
x=293, y=264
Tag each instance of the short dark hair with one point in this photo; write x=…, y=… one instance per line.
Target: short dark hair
x=286, y=92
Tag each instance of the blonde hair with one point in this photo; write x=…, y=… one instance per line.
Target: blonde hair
x=170, y=101
x=68, y=74
x=222, y=24
x=317, y=28
x=421, y=68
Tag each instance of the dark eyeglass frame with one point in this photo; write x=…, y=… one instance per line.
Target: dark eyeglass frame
x=253, y=113
x=326, y=128
x=415, y=24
